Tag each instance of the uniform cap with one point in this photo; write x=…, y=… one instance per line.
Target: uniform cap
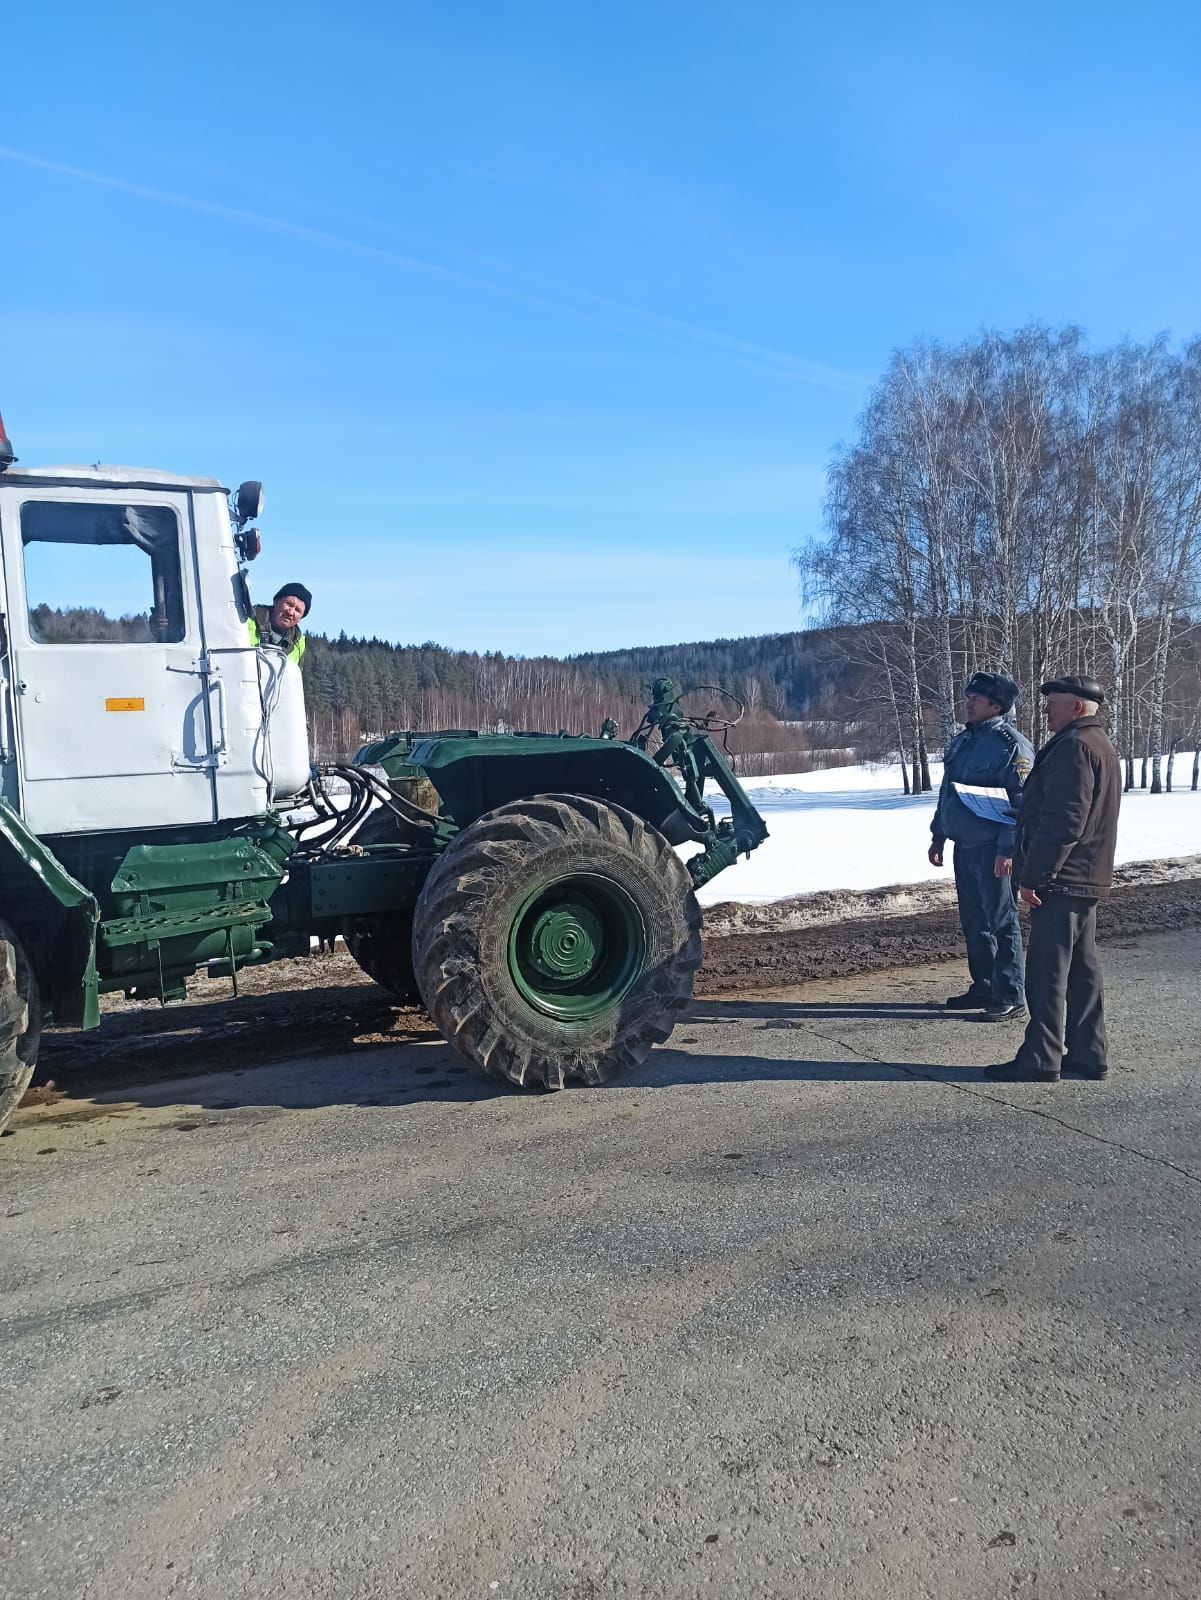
x=995, y=686
x=1084, y=688
x=297, y=589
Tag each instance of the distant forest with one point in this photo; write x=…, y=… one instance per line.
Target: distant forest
x=356, y=687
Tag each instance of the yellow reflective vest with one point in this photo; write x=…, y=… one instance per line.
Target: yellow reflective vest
x=292, y=642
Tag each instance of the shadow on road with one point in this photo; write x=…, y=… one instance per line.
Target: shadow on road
x=669, y=1067
x=782, y=1013
x=414, y=1075
x=215, y=1034
x=404, y=1074
x=343, y=1047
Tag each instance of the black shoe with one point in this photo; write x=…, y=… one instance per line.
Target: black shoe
x=1069, y=1069
x=1018, y=1072
x=971, y=1001
x=1004, y=1013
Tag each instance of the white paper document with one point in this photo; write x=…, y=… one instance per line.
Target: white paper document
x=991, y=804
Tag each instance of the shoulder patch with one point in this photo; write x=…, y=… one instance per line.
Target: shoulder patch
x=1022, y=762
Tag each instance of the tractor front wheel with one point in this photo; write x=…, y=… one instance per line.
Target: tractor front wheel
x=557, y=938
x=20, y=1023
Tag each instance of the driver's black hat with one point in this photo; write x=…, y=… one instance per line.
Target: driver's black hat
x=995, y=686
x=1079, y=684
x=297, y=589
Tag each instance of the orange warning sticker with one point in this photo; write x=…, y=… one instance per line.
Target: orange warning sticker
x=125, y=705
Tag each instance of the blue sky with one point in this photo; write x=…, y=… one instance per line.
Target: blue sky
x=539, y=322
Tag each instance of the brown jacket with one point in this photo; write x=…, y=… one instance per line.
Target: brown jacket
x=1067, y=827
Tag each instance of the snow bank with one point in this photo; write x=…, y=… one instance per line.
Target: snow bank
x=852, y=828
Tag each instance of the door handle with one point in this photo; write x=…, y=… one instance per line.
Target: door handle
x=221, y=744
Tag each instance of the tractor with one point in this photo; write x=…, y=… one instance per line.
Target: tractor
x=159, y=812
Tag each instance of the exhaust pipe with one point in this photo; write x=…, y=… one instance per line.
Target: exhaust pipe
x=7, y=457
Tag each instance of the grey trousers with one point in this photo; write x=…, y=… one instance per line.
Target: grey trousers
x=1063, y=987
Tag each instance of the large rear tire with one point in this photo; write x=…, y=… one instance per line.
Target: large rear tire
x=557, y=938
x=20, y=1023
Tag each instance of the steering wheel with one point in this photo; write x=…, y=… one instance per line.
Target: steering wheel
x=712, y=721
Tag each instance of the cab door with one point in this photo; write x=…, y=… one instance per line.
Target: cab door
x=109, y=681
x=8, y=735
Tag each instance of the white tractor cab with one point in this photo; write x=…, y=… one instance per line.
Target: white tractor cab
x=131, y=696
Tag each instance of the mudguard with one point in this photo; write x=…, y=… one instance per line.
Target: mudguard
x=56, y=920
x=474, y=775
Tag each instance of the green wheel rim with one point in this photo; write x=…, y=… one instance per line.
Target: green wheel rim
x=576, y=945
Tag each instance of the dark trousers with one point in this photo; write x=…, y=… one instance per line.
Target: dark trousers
x=988, y=915
x=1063, y=974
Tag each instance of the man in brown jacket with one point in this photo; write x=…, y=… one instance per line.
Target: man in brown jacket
x=1063, y=863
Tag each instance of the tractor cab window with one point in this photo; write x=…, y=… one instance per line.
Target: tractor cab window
x=102, y=574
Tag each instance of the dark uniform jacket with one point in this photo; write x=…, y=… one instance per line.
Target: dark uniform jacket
x=987, y=755
x=1068, y=824
x=289, y=640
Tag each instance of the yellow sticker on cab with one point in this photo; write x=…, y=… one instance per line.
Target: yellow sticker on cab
x=127, y=703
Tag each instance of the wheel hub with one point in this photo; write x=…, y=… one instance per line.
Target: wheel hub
x=566, y=942
x=576, y=945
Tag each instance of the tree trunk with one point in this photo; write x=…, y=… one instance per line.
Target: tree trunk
x=896, y=717
x=915, y=712
x=945, y=680
x=1159, y=675
x=1117, y=679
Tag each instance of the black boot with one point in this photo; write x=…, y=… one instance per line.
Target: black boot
x=973, y=1000
x=1070, y=1069
x=1006, y=1013
x=1018, y=1072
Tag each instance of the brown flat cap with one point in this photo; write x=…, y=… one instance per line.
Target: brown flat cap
x=1073, y=683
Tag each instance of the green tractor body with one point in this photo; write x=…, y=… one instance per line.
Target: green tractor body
x=158, y=813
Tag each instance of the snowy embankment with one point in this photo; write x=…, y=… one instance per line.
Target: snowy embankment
x=851, y=829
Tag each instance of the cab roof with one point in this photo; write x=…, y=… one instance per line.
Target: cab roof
x=99, y=476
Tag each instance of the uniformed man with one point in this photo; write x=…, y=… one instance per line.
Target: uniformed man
x=279, y=623
x=1066, y=836
x=989, y=753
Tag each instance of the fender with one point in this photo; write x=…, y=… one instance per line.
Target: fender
x=475, y=775
x=56, y=919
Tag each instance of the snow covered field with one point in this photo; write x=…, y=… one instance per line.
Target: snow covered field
x=852, y=828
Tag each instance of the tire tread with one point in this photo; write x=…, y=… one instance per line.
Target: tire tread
x=444, y=940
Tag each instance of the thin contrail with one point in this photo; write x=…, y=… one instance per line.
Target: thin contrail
x=673, y=329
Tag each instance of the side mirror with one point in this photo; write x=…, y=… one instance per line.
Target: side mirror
x=248, y=502
x=247, y=543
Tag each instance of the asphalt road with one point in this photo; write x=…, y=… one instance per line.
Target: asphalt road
x=802, y=1310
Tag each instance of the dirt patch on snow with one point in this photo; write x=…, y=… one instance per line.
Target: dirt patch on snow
x=770, y=958
x=828, y=906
